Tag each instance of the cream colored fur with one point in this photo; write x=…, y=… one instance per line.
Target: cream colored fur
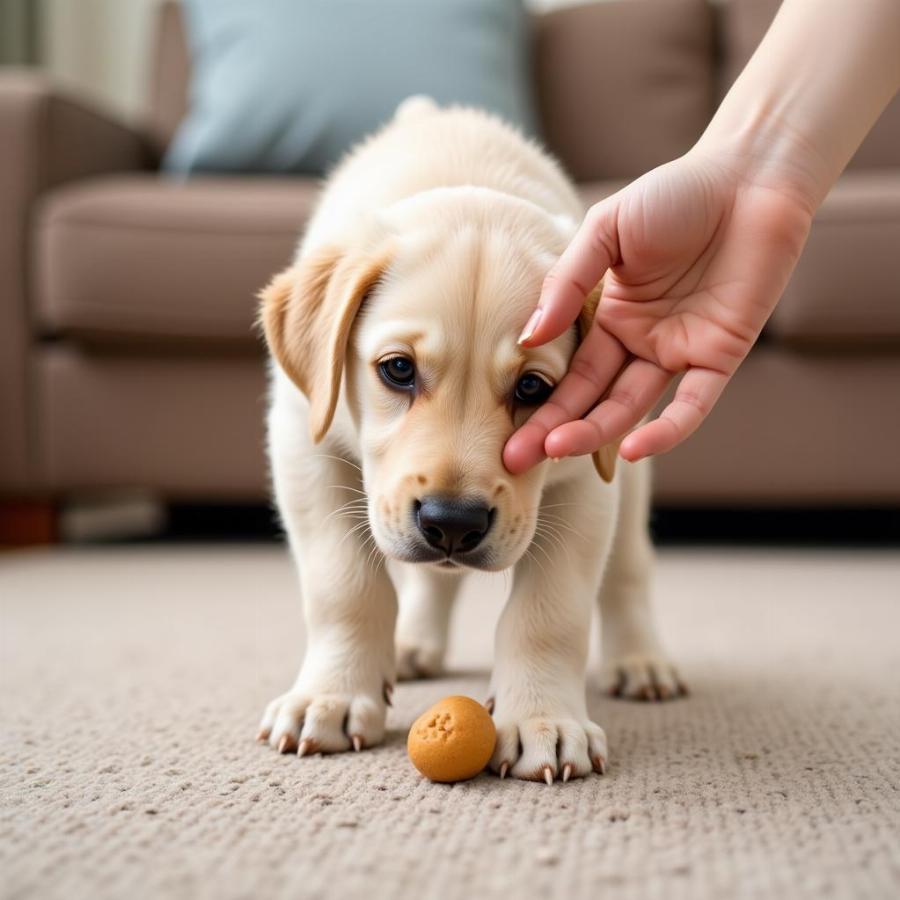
x=432, y=240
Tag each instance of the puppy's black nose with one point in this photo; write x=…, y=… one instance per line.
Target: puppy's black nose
x=452, y=524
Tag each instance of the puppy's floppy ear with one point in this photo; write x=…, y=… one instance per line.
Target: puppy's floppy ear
x=307, y=312
x=604, y=458
x=585, y=320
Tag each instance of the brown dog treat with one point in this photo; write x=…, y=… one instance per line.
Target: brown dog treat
x=453, y=740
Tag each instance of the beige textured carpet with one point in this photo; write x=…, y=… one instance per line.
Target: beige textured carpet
x=132, y=681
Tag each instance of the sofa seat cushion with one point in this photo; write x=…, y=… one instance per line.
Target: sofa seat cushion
x=186, y=425
x=141, y=257
x=151, y=259
x=846, y=287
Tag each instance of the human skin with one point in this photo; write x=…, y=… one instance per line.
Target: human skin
x=695, y=254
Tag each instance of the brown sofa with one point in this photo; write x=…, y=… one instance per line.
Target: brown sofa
x=127, y=355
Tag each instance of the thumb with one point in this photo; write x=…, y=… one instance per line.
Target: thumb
x=593, y=250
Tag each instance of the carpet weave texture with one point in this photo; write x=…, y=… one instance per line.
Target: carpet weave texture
x=133, y=679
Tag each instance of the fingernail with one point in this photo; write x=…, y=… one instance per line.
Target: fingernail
x=530, y=326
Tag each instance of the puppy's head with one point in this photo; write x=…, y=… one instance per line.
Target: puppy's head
x=418, y=316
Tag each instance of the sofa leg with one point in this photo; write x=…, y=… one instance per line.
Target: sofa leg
x=27, y=523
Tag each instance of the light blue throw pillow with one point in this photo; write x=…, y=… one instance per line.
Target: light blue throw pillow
x=290, y=85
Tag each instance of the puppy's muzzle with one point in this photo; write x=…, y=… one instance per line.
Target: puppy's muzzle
x=453, y=525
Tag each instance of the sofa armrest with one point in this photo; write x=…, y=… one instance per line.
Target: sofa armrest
x=45, y=140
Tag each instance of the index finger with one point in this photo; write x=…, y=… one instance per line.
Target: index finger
x=593, y=250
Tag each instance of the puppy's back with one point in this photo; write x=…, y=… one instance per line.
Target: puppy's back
x=425, y=146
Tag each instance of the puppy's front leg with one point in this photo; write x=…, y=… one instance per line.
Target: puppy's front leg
x=339, y=698
x=539, y=703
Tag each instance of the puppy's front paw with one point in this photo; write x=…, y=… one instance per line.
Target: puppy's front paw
x=544, y=748
x=642, y=676
x=306, y=721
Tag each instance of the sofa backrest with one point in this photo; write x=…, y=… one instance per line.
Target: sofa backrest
x=622, y=85
x=625, y=85
x=170, y=73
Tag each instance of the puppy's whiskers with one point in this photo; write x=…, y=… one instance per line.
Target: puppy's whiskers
x=557, y=544
x=342, y=459
x=346, y=487
x=549, y=531
x=358, y=529
x=348, y=509
x=536, y=561
x=374, y=554
x=557, y=526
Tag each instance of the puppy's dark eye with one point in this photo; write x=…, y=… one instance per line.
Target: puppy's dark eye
x=532, y=389
x=398, y=371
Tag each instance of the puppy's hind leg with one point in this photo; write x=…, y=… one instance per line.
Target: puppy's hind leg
x=635, y=665
x=426, y=601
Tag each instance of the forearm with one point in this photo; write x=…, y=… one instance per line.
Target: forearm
x=812, y=90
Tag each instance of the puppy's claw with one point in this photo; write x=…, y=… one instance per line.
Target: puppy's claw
x=286, y=744
x=548, y=775
x=489, y=705
x=567, y=772
x=599, y=764
x=504, y=768
x=305, y=747
x=356, y=740
x=387, y=692
x=263, y=735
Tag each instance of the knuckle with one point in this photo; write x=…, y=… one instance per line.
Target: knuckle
x=623, y=398
x=598, y=228
x=601, y=435
x=584, y=368
x=554, y=281
x=689, y=398
x=677, y=429
x=550, y=279
x=550, y=415
x=545, y=424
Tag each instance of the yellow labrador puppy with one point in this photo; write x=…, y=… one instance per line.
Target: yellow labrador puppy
x=397, y=380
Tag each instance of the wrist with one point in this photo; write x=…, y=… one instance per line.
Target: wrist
x=760, y=147
x=791, y=120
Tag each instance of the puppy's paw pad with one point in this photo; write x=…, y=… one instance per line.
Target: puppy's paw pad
x=643, y=677
x=549, y=748
x=305, y=722
x=418, y=660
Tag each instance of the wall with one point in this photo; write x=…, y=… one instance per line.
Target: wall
x=16, y=31
x=99, y=48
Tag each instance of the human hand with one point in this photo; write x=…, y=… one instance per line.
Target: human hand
x=696, y=254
